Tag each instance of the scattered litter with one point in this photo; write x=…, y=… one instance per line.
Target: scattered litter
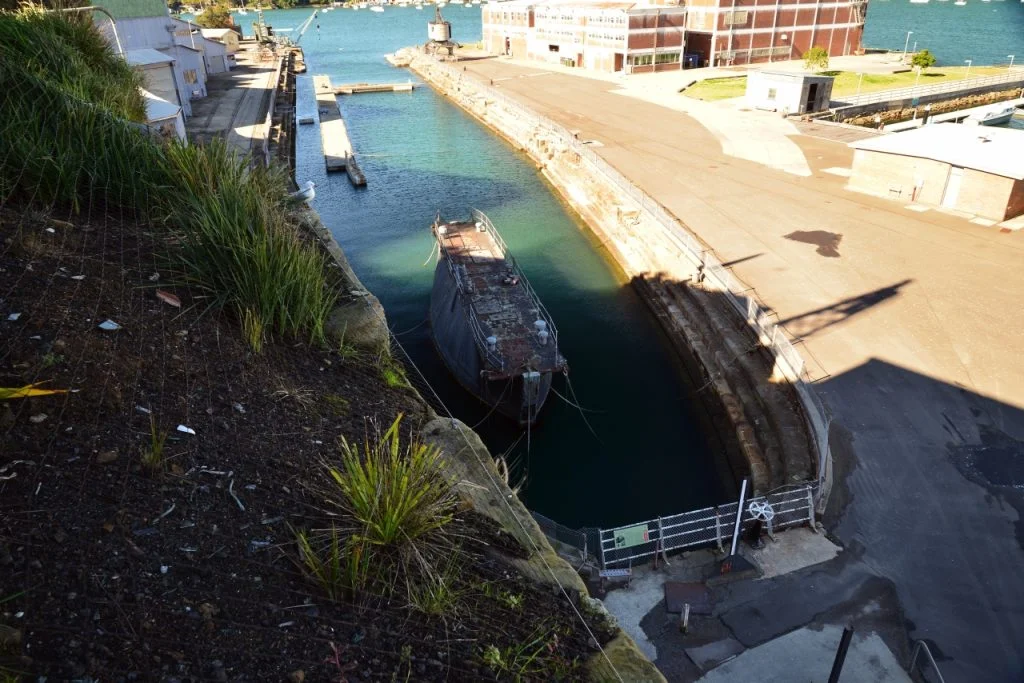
x=13, y=316
x=165, y=513
x=36, y=337
x=77, y=277
x=189, y=549
x=38, y=488
x=144, y=411
x=272, y=520
x=154, y=277
x=168, y=298
x=164, y=568
x=19, y=615
x=109, y=326
x=318, y=443
x=238, y=407
x=186, y=430
x=231, y=490
x=51, y=231
x=286, y=624
x=257, y=545
x=217, y=473
x=38, y=418
x=250, y=487
x=147, y=531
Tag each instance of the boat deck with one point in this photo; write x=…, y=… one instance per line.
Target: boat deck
x=504, y=306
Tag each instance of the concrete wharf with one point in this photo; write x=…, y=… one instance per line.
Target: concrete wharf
x=358, y=88
x=334, y=140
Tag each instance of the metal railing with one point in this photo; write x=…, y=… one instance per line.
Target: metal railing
x=700, y=528
x=707, y=527
x=479, y=335
x=712, y=273
x=481, y=217
x=1011, y=76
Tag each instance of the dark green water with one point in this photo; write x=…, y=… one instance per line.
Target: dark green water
x=422, y=155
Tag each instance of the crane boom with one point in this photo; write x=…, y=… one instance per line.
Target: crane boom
x=305, y=25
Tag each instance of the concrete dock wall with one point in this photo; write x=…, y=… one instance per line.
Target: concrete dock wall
x=777, y=422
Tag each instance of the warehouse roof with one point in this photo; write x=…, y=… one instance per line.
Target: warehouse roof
x=983, y=148
x=146, y=57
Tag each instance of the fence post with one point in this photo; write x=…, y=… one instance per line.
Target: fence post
x=810, y=510
x=661, y=542
x=718, y=529
x=600, y=547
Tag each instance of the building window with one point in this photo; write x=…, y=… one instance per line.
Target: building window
x=552, y=48
x=772, y=92
x=640, y=60
x=190, y=76
x=667, y=58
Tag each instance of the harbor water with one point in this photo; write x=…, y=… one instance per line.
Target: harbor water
x=982, y=31
x=637, y=451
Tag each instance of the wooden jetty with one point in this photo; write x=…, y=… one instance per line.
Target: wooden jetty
x=357, y=88
x=337, y=147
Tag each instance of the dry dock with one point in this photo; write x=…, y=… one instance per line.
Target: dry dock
x=337, y=148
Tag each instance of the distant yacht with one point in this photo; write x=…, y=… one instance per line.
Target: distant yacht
x=376, y=8
x=925, y=2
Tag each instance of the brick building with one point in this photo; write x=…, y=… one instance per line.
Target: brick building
x=645, y=36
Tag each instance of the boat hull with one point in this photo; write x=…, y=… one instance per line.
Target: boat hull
x=519, y=396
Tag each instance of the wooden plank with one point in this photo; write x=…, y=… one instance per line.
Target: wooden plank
x=357, y=88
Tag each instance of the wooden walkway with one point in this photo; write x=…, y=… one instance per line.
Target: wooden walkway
x=337, y=148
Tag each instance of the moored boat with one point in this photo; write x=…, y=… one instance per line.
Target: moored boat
x=489, y=327
x=993, y=116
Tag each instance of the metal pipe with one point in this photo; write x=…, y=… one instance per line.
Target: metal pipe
x=96, y=8
x=739, y=517
x=837, y=664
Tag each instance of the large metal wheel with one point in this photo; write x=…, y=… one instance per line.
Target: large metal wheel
x=762, y=510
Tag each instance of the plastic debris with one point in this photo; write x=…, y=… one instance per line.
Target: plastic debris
x=238, y=407
x=164, y=568
x=231, y=491
x=51, y=231
x=13, y=316
x=186, y=430
x=38, y=419
x=144, y=411
x=154, y=277
x=77, y=277
x=109, y=326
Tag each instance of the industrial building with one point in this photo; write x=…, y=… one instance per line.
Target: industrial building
x=656, y=35
x=978, y=170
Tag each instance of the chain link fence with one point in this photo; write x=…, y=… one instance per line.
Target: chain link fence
x=715, y=276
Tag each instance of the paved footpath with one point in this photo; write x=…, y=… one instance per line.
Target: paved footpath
x=917, y=319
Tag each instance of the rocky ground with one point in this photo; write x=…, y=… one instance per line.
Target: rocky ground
x=185, y=568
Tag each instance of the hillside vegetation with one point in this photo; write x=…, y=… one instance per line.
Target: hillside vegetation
x=196, y=481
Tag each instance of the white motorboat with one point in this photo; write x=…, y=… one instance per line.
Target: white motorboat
x=376, y=8
x=995, y=115
x=242, y=11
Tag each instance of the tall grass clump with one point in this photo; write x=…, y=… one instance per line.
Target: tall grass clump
x=394, y=502
x=239, y=246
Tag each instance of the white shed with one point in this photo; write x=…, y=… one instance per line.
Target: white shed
x=164, y=118
x=158, y=73
x=789, y=92
x=227, y=36
x=215, y=54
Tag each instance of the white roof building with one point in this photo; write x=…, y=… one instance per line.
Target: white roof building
x=974, y=170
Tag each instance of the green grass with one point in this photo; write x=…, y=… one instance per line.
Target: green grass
x=391, y=371
x=535, y=659
x=846, y=82
x=712, y=89
x=152, y=458
x=394, y=502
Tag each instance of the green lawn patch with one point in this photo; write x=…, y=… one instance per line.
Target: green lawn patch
x=717, y=88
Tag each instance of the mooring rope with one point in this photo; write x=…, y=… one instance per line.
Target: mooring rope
x=568, y=383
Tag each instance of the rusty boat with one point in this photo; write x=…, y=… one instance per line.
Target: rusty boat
x=488, y=324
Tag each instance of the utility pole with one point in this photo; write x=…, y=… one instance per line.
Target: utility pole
x=906, y=45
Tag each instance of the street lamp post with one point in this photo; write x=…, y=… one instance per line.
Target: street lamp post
x=1011, y=60
x=906, y=45
x=860, y=80
x=967, y=74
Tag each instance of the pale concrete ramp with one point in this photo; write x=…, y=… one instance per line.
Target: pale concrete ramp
x=758, y=136
x=806, y=655
x=334, y=138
